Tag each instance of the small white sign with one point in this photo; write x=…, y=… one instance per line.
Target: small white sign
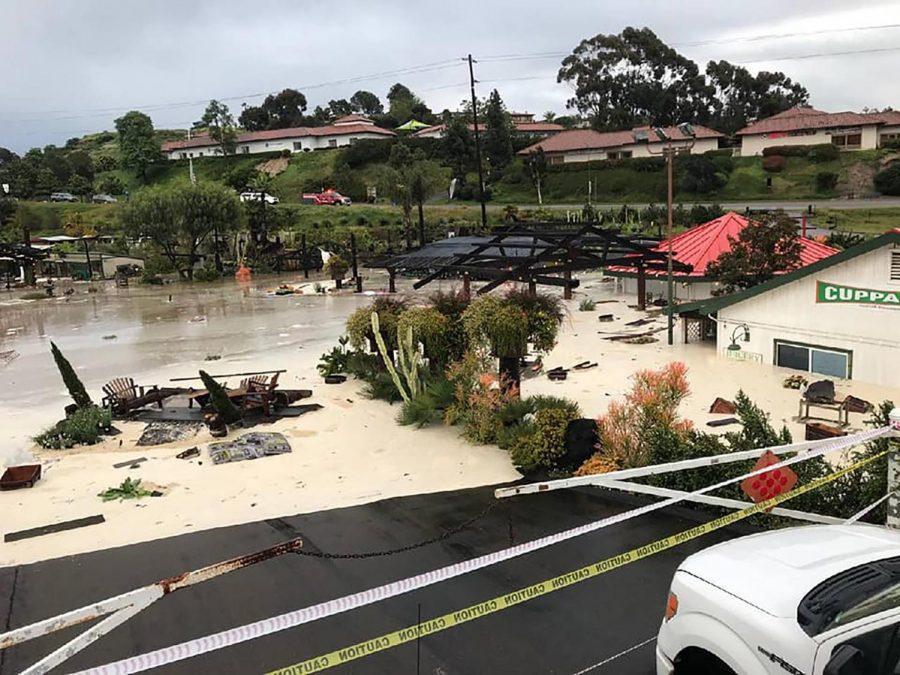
x=742, y=355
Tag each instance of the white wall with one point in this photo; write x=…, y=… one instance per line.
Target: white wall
x=683, y=291
x=276, y=145
x=755, y=144
x=791, y=313
x=701, y=145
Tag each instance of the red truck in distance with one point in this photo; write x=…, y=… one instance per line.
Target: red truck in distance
x=327, y=197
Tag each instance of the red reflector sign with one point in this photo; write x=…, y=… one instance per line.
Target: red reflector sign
x=771, y=483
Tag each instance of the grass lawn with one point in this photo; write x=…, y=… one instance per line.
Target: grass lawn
x=866, y=221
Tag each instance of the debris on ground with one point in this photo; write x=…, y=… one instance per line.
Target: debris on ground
x=818, y=430
x=857, y=405
x=110, y=337
x=216, y=425
x=158, y=433
x=722, y=406
x=723, y=422
x=639, y=322
x=15, y=477
x=641, y=340
x=254, y=445
x=794, y=382
x=335, y=379
x=128, y=489
x=8, y=356
x=189, y=453
x=603, y=318
x=821, y=391
x=130, y=463
x=53, y=527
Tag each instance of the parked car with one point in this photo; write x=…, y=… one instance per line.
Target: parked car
x=326, y=198
x=257, y=196
x=813, y=600
x=63, y=197
x=104, y=199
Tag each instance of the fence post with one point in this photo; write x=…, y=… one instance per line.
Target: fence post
x=893, y=477
x=303, y=257
x=353, y=262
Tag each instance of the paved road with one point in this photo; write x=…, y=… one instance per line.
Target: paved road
x=564, y=633
x=787, y=205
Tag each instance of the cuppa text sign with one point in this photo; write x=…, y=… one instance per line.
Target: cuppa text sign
x=828, y=292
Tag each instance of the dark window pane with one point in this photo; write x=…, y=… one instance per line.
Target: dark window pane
x=829, y=363
x=792, y=356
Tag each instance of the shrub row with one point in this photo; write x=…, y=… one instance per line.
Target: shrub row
x=819, y=152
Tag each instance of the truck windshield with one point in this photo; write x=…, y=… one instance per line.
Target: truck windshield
x=853, y=594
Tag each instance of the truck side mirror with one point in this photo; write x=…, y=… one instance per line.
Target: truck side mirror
x=845, y=660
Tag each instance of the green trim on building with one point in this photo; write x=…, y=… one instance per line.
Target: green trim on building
x=718, y=302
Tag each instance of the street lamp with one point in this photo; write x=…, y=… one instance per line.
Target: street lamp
x=734, y=346
x=670, y=149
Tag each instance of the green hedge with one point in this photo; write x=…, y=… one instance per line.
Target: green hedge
x=887, y=181
x=639, y=164
x=818, y=152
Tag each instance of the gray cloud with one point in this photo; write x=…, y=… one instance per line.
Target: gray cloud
x=72, y=66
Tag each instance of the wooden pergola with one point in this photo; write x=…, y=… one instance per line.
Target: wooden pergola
x=535, y=253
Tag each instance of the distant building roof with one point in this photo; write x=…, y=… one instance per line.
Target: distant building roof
x=589, y=139
x=351, y=119
x=521, y=127
x=795, y=119
x=704, y=243
x=344, y=129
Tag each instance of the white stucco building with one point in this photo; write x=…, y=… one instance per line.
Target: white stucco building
x=585, y=145
x=808, y=126
x=344, y=131
x=839, y=317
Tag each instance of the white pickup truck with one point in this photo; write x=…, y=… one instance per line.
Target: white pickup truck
x=813, y=600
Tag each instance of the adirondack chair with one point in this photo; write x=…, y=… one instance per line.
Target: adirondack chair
x=260, y=395
x=123, y=395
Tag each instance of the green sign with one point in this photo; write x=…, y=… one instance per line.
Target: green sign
x=835, y=293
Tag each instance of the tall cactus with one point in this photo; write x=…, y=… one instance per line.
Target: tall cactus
x=386, y=357
x=410, y=361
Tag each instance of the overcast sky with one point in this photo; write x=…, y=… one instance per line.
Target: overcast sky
x=71, y=67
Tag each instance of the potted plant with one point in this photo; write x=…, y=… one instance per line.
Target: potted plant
x=336, y=267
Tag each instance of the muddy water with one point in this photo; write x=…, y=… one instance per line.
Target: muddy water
x=152, y=334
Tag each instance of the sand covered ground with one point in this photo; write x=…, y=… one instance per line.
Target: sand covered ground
x=350, y=452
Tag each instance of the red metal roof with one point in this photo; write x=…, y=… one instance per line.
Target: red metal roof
x=704, y=243
x=589, y=139
x=204, y=140
x=796, y=119
x=346, y=119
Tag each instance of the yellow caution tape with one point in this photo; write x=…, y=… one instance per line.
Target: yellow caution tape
x=501, y=602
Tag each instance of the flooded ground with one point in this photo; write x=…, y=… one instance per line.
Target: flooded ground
x=151, y=333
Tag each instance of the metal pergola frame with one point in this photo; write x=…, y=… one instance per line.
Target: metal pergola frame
x=537, y=253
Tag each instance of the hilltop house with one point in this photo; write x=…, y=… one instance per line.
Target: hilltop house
x=523, y=124
x=808, y=126
x=343, y=131
x=697, y=247
x=585, y=145
x=837, y=317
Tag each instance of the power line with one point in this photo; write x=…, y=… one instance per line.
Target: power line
x=778, y=36
x=821, y=55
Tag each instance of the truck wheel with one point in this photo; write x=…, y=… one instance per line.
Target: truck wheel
x=696, y=661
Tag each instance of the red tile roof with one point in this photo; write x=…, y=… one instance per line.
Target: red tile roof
x=588, y=139
x=796, y=119
x=704, y=243
x=346, y=119
x=523, y=127
x=204, y=140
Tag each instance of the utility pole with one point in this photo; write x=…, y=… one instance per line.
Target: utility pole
x=191, y=162
x=477, y=145
x=669, y=151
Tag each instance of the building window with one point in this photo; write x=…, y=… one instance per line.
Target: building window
x=555, y=159
x=183, y=155
x=245, y=149
x=332, y=142
x=201, y=154
x=812, y=359
x=895, y=264
x=848, y=141
x=298, y=145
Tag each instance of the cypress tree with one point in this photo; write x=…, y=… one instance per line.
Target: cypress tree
x=70, y=378
x=219, y=399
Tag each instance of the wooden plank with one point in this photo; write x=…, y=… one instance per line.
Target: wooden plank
x=53, y=527
x=132, y=462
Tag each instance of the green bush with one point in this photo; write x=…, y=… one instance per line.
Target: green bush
x=381, y=387
x=826, y=181
x=891, y=144
x=587, y=305
x=638, y=164
x=497, y=325
x=546, y=442
x=83, y=427
x=698, y=174
x=219, y=399
x=359, y=324
x=774, y=163
x=887, y=181
x=429, y=327
x=207, y=273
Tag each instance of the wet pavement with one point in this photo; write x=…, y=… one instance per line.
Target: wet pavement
x=564, y=632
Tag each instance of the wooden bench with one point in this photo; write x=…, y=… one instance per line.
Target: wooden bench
x=123, y=395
